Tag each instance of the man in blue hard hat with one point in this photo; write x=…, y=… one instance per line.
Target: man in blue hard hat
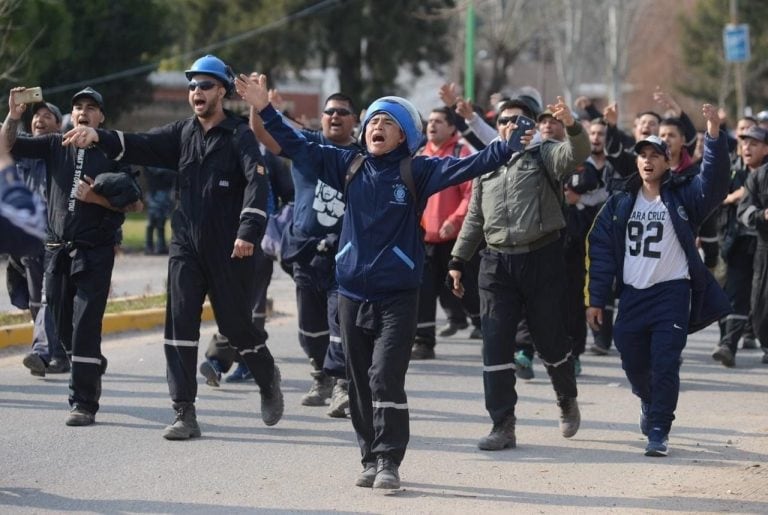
x=217, y=226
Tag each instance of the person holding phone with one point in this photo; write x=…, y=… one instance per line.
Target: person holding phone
x=517, y=209
x=80, y=244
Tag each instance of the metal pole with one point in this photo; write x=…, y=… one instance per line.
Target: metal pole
x=738, y=68
x=469, y=53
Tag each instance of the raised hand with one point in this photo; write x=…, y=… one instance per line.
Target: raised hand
x=464, y=108
x=611, y=114
x=561, y=111
x=253, y=90
x=447, y=94
x=712, y=116
x=666, y=101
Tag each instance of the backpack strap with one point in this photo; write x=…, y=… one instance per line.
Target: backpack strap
x=354, y=166
x=406, y=175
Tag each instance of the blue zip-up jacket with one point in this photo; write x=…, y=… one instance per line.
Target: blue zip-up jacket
x=381, y=246
x=689, y=202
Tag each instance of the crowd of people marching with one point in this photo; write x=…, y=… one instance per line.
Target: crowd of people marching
x=528, y=222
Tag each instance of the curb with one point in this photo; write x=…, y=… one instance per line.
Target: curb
x=136, y=320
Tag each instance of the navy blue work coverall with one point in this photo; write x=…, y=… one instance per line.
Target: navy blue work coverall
x=222, y=196
x=79, y=258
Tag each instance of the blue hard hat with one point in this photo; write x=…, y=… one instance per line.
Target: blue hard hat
x=405, y=115
x=215, y=67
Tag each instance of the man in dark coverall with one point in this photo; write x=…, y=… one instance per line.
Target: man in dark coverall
x=222, y=201
x=82, y=228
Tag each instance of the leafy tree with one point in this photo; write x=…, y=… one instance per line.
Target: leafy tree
x=708, y=72
x=89, y=40
x=367, y=40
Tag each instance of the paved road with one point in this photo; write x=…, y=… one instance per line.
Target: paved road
x=308, y=462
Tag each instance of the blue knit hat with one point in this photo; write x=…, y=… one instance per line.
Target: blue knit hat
x=403, y=113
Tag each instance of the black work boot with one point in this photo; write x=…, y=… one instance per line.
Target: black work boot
x=570, y=416
x=272, y=401
x=387, y=475
x=501, y=436
x=35, y=364
x=185, y=426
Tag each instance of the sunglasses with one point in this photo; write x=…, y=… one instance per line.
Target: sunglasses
x=505, y=120
x=337, y=110
x=205, y=85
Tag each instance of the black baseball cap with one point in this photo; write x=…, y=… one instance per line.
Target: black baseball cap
x=52, y=108
x=91, y=93
x=756, y=133
x=656, y=142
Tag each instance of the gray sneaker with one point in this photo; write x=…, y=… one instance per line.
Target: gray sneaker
x=724, y=355
x=570, y=416
x=339, y=399
x=320, y=391
x=272, y=403
x=80, y=417
x=366, y=478
x=185, y=425
x=501, y=436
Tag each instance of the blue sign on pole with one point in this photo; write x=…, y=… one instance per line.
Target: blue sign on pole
x=736, y=43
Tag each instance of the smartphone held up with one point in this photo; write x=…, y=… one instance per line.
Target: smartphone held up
x=29, y=96
x=524, y=124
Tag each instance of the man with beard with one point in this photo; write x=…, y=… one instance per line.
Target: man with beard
x=82, y=232
x=220, y=218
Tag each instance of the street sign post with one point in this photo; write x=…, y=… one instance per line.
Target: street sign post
x=736, y=43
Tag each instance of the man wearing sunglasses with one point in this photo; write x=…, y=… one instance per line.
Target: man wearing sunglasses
x=517, y=210
x=220, y=218
x=309, y=245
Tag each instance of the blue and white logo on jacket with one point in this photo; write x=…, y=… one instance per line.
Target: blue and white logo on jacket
x=399, y=194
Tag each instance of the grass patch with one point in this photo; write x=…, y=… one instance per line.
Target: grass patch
x=113, y=306
x=135, y=231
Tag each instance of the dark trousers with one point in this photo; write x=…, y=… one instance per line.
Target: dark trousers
x=759, y=301
x=45, y=340
x=317, y=310
x=738, y=287
x=219, y=347
x=77, y=287
x=230, y=288
x=576, y=320
x=377, y=340
x=651, y=331
x=433, y=287
x=513, y=286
